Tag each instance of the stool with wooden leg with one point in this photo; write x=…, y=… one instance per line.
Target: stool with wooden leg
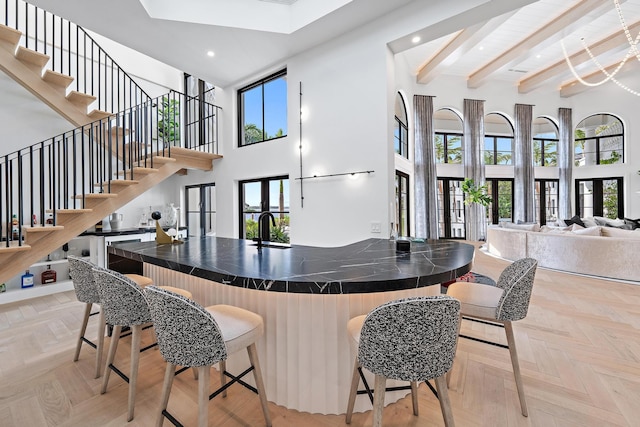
x=195, y=336
x=412, y=339
x=500, y=305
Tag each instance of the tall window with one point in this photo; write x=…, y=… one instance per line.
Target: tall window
x=599, y=140
x=498, y=140
x=262, y=110
x=546, y=200
x=401, y=128
x=448, y=136
x=600, y=197
x=261, y=195
x=501, y=207
x=450, y=209
x=402, y=203
x=545, y=142
x=201, y=209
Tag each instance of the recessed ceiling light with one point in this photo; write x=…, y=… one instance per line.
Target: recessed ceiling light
x=416, y=39
x=538, y=56
x=210, y=54
x=481, y=48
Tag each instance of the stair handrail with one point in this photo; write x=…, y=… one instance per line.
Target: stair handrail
x=45, y=32
x=63, y=169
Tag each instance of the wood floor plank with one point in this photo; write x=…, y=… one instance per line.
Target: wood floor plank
x=578, y=350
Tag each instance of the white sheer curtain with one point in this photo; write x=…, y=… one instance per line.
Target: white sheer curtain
x=425, y=194
x=565, y=160
x=524, y=180
x=473, y=161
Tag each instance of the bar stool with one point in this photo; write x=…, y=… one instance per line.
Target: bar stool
x=81, y=273
x=194, y=336
x=124, y=305
x=502, y=304
x=412, y=339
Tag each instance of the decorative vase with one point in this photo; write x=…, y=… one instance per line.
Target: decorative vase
x=170, y=216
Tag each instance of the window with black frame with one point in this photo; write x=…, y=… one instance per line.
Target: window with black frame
x=450, y=209
x=265, y=195
x=546, y=194
x=401, y=128
x=501, y=207
x=402, y=203
x=545, y=142
x=448, y=136
x=599, y=140
x=600, y=197
x=498, y=140
x=262, y=110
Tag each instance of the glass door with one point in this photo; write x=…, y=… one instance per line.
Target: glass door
x=201, y=209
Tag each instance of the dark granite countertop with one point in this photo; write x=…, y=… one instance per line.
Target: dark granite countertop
x=372, y=265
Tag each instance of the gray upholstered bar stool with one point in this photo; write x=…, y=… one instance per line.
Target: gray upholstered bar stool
x=81, y=273
x=195, y=336
x=502, y=304
x=412, y=339
x=124, y=305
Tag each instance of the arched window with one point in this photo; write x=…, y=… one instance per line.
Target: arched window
x=545, y=142
x=448, y=136
x=599, y=140
x=401, y=128
x=498, y=140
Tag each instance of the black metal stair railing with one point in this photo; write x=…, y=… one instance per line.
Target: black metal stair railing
x=39, y=180
x=75, y=53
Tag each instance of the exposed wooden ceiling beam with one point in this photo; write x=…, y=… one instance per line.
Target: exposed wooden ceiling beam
x=569, y=19
x=574, y=87
x=460, y=44
x=612, y=42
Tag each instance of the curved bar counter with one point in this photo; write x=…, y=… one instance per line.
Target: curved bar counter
x=306, y=295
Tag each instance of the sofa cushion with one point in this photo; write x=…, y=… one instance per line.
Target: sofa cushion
x=607, y=222
x=617, y=232
x=523, y=227
x=590, y=231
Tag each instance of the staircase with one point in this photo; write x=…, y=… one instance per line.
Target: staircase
x=60, y=187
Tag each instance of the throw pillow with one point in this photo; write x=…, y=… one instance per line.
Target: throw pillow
x=591, y=231
x=634, y=223
x=575, y=220
x=589, y=222
x=616, y=232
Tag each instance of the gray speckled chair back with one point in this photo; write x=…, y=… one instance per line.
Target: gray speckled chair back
x=121, y=298
x=81, y=273
x=412, y=339
x=517, y=282
x=187, y=334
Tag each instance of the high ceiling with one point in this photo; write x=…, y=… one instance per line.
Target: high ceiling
x=525, y=47
x=521, y=46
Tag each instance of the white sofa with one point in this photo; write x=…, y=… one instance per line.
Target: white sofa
x=611, y=253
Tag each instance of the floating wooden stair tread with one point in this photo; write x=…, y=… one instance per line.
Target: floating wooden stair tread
x=80, y=99
x=116, y=182
x=96, y=196
x=120, y=131
x=99, y=114
x=161, y=159
x=42, y=228
x=10, y=35
x=57, y=79
x=73, y=211
x=186, y=152
x=13, y=247
x=32, y=57
x=139, y=170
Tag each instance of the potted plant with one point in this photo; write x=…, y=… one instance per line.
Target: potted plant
x=168, y=125
x=475, y=194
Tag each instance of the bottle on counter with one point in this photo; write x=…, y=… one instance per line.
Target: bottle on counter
x=15, y=232
x=48, y=276
x=27, y=280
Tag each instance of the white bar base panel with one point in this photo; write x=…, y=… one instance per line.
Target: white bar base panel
x=304, y=354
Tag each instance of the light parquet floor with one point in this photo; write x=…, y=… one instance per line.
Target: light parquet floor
x=579, y=351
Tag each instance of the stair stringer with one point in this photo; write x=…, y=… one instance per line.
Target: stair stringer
x=14, y=263
x=30, y=77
